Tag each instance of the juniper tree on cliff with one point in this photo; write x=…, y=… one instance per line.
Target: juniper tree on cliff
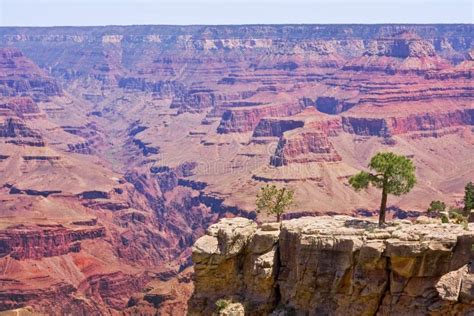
x=274, y=201
x=468, y=198
x=392, y=173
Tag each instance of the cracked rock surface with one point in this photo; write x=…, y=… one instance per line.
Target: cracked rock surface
x=335, y=266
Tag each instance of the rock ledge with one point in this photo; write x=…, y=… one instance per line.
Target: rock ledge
x=334, y=266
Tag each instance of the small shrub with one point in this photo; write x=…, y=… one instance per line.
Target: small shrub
x=221, y=304
x=457, y=217
x=436, y=207
x=371, y=229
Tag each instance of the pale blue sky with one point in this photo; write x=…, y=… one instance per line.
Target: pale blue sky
x=126, y=12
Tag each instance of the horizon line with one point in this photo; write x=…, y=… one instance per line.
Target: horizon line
x=242, y=24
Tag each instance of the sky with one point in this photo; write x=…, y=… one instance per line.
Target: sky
x=185, y=12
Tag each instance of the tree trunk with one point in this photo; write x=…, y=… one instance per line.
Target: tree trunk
x=383, y=207
x=278, y=218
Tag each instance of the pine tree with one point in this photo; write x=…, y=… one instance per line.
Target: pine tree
x=274, y=201
x=393, y=174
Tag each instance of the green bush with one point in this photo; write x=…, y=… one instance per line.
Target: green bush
x=221, y=304
x=456, y=214
x=436, y=207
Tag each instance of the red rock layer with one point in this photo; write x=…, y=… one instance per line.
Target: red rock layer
x=16, y=128
x=246, y=119
x=304, y=146
x=393, y=125
x=24, y=242
x=23, y=107
x=19, y=75
x=275, y=127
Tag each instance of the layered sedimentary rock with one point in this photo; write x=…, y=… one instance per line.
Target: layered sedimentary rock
x=274, y=127
x=157, y=131
x=417, y=122
x=19, y=75
x=37, y=242
x=405, y=52
x=16, y=128
x=302, y=146
x=23, y=107
x=162, y=88
x=462, y=70
x=335, y=265
x=331, y=105
x=246, y=119
x=60, y=260
x=309, y=143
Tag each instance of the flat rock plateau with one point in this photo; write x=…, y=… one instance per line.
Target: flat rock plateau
x=120, y=146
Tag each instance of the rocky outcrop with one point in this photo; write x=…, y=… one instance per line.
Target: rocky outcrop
x=222, y=255
x=403, y=45
x=163, y=88
x=275, y=127
x=404, y=52
x=195, y=100
x=23, y=107
x=365, y=126
x=16, y=128
x=464, y=69
x=56, y=294
x=81, y=148
x=386, y=126
x=113, y=289
x=335, y=266
x=302, y=146
x=19, y=76
x=310, y=143
x=16, y=131
x=331, y=105
x=23, y=242
x=94, y=194
x=145, y=147
x=44, y=193
x=247, y=118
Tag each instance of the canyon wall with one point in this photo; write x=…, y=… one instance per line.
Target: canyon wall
x=333, y=266
x=119, y=146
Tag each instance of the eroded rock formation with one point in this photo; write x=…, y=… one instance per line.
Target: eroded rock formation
x=18, y=75
x=333, y=266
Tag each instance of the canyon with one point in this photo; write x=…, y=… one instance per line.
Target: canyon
x=121, y=145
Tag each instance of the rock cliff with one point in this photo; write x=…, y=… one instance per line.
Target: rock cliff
x=246, y=119
x=303, y=146
x=335, y=266
x=19, y=75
